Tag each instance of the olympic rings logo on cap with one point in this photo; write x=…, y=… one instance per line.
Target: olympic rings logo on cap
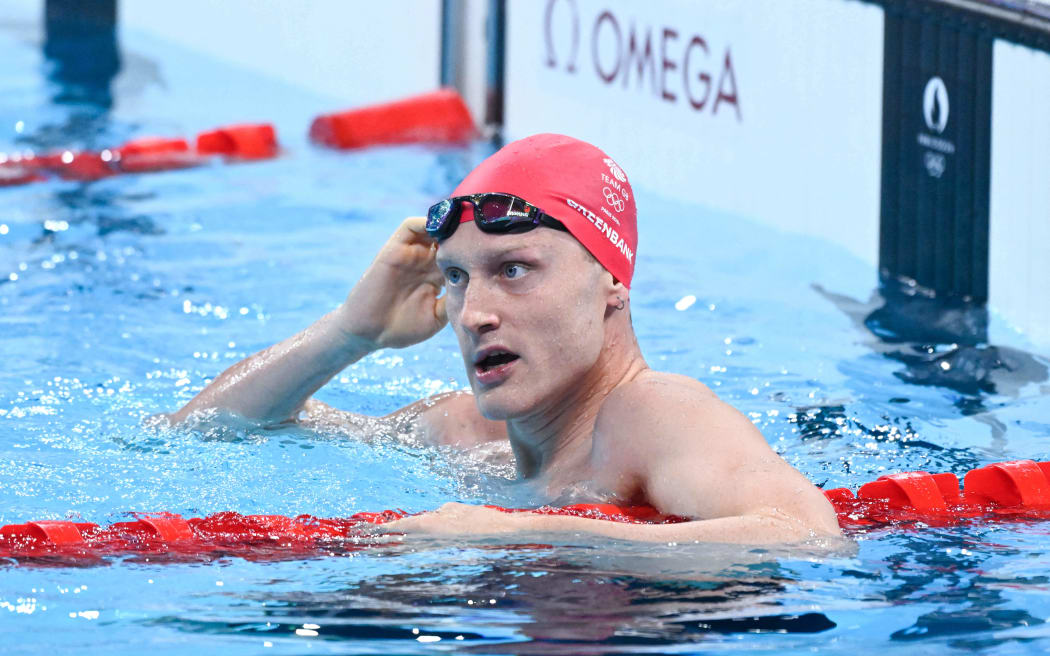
x=613, y=199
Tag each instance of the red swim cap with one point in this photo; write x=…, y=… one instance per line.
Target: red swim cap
x=574, y=182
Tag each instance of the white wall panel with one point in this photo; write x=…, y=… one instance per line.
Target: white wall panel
x=345, y=50
x=22, y=12
x=800, y=148
x=1019, y=230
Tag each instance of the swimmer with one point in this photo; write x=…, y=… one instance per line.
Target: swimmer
x=535, y=252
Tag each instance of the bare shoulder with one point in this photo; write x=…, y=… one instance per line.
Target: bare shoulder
x=654, y=394
x=681, y=410
x=688, y=453
x=661, y=383
x=453, y=419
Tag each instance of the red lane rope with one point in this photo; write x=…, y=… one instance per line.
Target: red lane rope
x=147, y=154
x=438, y=117
x=167, y=536
x=1014, y=490
x=1017, y=489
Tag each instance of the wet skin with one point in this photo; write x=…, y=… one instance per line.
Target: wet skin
x=555, y=368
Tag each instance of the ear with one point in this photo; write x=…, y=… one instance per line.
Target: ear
x=616, y=294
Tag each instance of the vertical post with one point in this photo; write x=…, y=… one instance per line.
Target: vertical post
x=472, y=45
x=496, y=31
x=451, y=43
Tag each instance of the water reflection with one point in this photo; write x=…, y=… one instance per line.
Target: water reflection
x=941, y=343
x=453, y=164
x=834, y=421
x=536, y=599
x=83, y=60
x=948, y=571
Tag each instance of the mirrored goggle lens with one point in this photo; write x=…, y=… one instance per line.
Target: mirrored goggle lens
x=505, y=214
x=494, y=208
x=438, y=216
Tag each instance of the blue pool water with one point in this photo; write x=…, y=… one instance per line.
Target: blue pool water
x=124, y=297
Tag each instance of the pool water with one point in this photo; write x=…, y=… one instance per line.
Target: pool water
x=124, y=297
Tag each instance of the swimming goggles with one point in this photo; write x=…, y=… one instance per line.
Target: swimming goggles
x=493, y=212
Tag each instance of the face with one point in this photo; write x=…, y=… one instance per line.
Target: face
x=528, y=311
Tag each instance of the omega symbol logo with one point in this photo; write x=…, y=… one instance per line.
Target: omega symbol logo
x=614, y=200
x=935, y=105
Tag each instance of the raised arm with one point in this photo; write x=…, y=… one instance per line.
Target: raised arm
x=395, y=304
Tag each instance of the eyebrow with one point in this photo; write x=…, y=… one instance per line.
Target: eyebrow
x=495, y=255
x=507, y=251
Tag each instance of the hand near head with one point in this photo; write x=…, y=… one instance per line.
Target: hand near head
x=396, y=304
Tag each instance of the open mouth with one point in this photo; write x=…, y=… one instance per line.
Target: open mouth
x=494, y=360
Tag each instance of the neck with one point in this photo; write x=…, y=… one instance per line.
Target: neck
x=559, y=434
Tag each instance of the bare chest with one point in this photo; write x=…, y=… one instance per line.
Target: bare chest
x=582, y=482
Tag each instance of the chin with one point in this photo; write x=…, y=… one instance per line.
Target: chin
x=495, y=411
x=494, y=408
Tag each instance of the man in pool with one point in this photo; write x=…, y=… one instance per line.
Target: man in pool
x=535, y=251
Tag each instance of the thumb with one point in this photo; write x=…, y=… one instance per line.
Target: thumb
x=441, y=311
x=415, y=224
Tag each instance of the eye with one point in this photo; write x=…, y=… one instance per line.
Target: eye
x=455, y=276
x=513, y=270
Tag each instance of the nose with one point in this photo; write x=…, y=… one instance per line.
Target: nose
x=479, y=313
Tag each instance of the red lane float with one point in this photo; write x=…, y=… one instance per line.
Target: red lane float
x=166, y=536
x=250, y=141
x=1015, y=490
x=13, y=173
x=436, y=117
x=137, y=156
x=147, y=154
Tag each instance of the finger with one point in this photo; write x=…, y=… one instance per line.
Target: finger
x=392, y=527
x=440, y=311
x=413, y=230
x=415, y=224
x=403, y=525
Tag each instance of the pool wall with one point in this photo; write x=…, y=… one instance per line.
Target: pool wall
x=1020, y=188
x=910, y=133
x=712, y=104
x=391, y=49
